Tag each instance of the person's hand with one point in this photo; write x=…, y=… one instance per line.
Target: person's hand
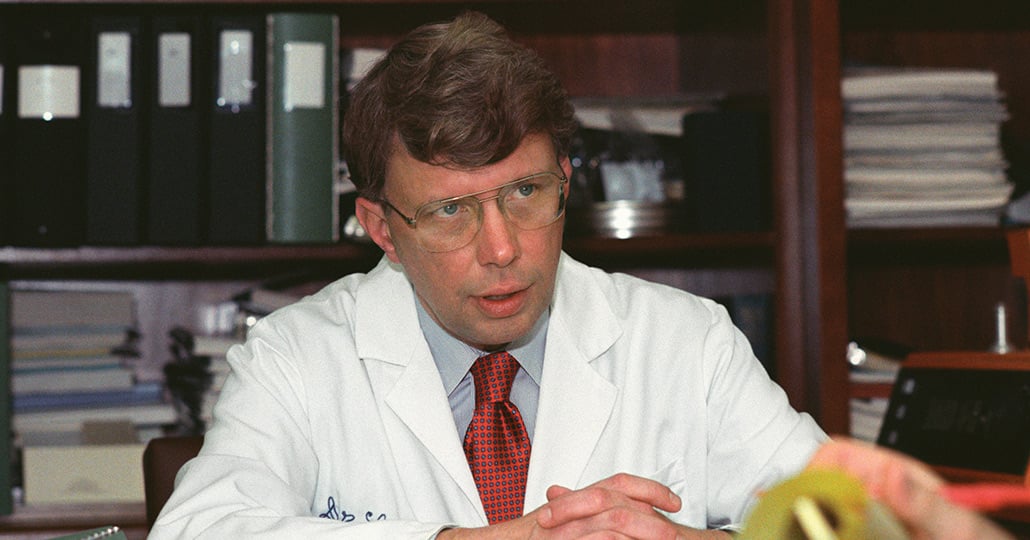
x=621, y=506
x=909, y=488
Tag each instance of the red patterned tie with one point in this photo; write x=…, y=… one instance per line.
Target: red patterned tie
x=496, y=444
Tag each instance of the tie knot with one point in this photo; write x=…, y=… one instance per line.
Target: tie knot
x=493, y=374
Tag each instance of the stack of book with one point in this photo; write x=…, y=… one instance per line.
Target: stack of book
x=78, y=408
x=922, y=147
x=71, y=363
x=875, y=365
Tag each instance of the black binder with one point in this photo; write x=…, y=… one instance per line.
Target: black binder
x=726, y=168
x=114, y=173
x=48, y=150
x=175, y=140
x=236, y=137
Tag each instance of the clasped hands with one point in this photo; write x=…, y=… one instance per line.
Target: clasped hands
x=621, y=506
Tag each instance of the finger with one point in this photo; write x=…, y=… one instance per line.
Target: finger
x=573, y=505
x=870, y=464
x=556, y=491
x=919, y=504
x=638, y=494
x=645, y=490
x=616, y=522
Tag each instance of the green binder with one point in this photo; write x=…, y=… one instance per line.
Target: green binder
x=303, y=120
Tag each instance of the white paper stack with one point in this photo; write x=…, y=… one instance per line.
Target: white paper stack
x=922, y=147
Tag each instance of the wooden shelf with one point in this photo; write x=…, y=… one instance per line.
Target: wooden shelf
x=863, y=390
x=182, y=263
x=52, y=520
x=187, y=263
x=928, y=246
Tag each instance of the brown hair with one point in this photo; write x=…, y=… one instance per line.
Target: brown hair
x=460, y=94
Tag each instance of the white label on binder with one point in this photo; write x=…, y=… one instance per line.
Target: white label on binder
x=235, y=73
x=173, y=70
x=48, y=92
x=114, y=70
x=303, y=75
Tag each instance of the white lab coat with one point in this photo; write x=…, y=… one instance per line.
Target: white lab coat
x=335, y=407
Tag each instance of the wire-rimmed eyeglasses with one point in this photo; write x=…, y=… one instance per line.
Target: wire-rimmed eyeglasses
x=530, y=202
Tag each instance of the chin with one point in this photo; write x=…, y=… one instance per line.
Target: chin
x=497, y=341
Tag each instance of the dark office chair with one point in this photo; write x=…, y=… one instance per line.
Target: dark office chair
x=162, y=459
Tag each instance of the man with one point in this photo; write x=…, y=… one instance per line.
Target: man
x=388, y=404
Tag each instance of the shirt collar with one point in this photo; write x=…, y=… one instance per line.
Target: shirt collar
x=454, y=357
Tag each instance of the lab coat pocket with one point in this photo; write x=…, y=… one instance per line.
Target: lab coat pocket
x=673, y=476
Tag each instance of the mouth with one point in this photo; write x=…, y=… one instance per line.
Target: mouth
x=501, y=305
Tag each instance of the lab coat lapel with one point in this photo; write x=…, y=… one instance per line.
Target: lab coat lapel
x=430, y=420
x=401, y=369
x=576, y=401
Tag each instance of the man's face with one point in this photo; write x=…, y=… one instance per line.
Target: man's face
x=491, y=291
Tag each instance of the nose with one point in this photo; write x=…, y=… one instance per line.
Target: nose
x=497, y=242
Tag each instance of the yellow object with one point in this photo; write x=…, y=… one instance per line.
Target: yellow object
x=820, y=504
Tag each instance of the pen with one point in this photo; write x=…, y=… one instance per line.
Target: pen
x=987, y=496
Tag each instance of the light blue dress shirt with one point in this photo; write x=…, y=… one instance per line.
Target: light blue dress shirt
x=454, y=359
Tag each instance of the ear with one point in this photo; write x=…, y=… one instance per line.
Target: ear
x=566, y=166
x=370, y=215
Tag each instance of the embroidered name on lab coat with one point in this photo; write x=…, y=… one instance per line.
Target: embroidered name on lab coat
x=339, y=514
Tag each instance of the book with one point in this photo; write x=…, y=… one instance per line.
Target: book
x=175, y=144
x=114, y=161
x=72, y=339
x=48, y=135
x=302, y=127
x=72, y=420
x=144, y=393
x=236, y=123
x=866, y=416
x=58, y=362
x=979, y=136
x=83, y=473
x=72, y=380
x=872, y=82
x=35, y=310
x=6, y=454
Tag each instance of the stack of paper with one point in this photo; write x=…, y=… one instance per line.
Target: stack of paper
x=922, y=147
